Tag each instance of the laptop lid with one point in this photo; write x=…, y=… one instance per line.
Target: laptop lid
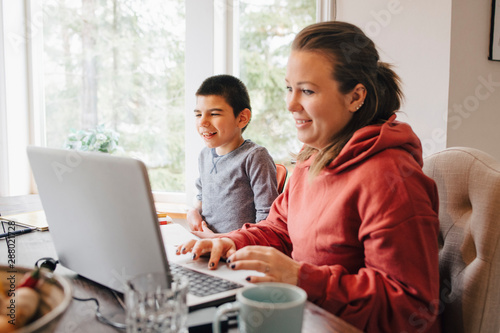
x=103, y=221
x=100, y=213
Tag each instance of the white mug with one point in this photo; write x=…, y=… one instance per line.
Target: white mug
x=266, y=308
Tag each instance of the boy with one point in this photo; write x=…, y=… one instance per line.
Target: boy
x=237, y=182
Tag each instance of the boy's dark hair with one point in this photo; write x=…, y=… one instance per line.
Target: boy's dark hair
x=230, y=88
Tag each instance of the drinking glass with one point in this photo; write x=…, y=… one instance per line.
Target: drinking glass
x=156, y=304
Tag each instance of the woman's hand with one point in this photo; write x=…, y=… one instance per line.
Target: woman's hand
x=277, y=266
x=218, y=248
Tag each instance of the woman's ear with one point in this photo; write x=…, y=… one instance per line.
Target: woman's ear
x=244, y=118
x=357, y=97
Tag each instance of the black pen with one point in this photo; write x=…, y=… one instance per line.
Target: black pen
x=16, y=232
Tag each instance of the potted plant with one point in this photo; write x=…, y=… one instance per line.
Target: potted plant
x=100, y=139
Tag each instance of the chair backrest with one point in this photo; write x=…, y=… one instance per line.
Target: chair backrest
x=468, y=182
x=281, y=173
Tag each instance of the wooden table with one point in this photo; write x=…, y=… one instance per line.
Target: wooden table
x=80, y=317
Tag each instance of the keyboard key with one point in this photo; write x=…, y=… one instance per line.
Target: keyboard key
x=201, y=284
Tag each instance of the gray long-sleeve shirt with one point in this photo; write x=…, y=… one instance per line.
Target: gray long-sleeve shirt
x=236, y=188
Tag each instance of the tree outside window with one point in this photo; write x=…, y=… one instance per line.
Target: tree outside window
x=119, y=64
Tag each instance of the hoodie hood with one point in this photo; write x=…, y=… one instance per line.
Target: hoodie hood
x=372, y=139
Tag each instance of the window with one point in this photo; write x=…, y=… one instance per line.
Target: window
x=133, y=66
x=118, y=64
x=266, y=30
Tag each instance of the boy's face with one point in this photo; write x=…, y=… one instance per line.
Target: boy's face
x=217, y=125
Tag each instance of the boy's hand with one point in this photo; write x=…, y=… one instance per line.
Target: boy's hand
x=195, y=220
x=206, y=232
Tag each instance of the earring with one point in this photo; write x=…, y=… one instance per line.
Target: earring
x=359, y=106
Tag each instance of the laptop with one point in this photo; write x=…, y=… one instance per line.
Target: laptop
x=104, y=226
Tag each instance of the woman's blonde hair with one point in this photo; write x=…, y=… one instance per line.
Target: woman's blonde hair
x=354, y=60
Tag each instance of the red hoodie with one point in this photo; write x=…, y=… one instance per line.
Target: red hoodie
x=365, y=231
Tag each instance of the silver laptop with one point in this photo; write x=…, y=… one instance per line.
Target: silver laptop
x=104, y=226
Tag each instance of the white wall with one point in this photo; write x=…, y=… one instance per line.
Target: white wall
x=440, y=50
x=415, y=37
x=474, y=99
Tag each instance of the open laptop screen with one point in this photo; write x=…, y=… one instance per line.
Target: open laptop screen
x=100, y=213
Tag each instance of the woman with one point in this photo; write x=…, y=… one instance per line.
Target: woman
x=357, y=225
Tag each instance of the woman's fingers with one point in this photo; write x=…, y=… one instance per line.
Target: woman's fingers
x=276, y=266
x=186, y=247
x=215, y=255
x=197, y=247
x=218, y=247
x=255, y=265
x=231, y=251
x=253, y=253
x=201, y=247
x=221, y=248
x=260, y=279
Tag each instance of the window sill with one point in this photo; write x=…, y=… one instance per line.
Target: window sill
x=174, y=210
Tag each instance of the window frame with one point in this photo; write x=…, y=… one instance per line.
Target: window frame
x=22, y=119
x=15, y=99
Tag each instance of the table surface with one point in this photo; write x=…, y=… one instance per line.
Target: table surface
x=80, y=317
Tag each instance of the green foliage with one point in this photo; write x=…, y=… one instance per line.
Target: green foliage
x=121, y=63
x=165, y=177
x=100, y=139
x=266, y=32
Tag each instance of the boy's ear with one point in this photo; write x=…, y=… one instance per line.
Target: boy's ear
x=244, y=118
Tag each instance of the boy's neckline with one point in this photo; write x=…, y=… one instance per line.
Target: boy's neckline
x=214, y=151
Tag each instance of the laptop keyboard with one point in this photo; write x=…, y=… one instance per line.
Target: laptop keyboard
x=201, y=284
